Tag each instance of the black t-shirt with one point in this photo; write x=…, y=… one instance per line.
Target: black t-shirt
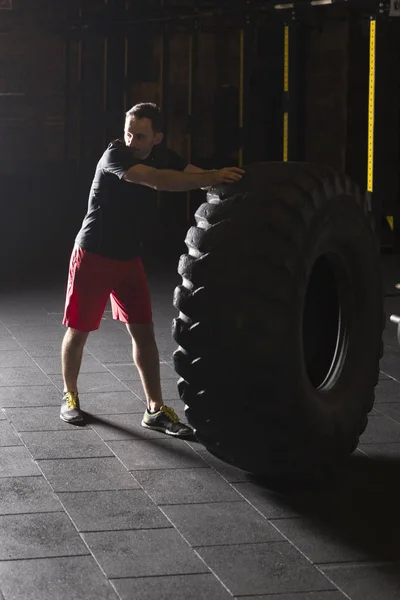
x=113, y=224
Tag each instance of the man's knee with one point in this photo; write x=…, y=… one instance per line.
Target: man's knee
x=75, y=337
x=141, y=334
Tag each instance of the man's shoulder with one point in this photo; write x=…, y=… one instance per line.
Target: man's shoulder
x=116, y=156
x=116, y=145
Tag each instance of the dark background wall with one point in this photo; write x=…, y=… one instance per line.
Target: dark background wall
x=68, y=71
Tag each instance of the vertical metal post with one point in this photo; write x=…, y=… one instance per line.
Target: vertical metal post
x=286, y=83
x=67, y=95
x=126, y=66
x=79, y=115
x=164, y=75
x=105, y=74
x=241, y=95
x=105, y=80
x=190, y=114
x=371, y=107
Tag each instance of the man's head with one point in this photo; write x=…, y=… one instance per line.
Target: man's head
x=143, y=129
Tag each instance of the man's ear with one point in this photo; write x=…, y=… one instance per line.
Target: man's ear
x=158, y=139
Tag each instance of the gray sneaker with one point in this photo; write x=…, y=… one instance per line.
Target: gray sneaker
x=167, y=421
x=70, y=410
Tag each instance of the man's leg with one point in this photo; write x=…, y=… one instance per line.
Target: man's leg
x=131, y=304
x=146, y=358
x=91, y=279
x=71, y=357
x=145, y=355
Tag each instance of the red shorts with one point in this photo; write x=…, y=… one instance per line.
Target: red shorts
x=93, y=279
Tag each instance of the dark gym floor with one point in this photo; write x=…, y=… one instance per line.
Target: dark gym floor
x=110, y=511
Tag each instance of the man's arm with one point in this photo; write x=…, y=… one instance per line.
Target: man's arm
x=193, y=169
x=168, y=180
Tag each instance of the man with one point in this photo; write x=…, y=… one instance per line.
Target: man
x=106, y=261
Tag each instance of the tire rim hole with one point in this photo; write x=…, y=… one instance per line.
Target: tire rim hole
x=324, y=322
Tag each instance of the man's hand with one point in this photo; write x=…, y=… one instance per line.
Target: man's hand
x=220, y=176
x=228, y=175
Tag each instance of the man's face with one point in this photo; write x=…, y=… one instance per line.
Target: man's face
x=140, y=137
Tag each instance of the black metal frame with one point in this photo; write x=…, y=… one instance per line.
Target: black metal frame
x=118, y=19
x=139, y=13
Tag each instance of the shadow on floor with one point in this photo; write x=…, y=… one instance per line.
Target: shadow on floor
x=359, y=509
x=90, y=419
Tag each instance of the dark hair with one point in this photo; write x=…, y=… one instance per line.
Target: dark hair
x=147, y=110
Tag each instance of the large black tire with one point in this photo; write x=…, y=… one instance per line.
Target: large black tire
x=281, y=316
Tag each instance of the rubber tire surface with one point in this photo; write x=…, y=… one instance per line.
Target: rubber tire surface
x=281, y=317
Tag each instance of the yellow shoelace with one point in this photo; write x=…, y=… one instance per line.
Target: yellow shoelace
x=170, y=413
x=71, y=399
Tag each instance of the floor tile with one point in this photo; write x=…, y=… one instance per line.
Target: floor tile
x=26, y=495
x=30, y=376
x=42, y=348
x=387, y=391
x=51, y=365
x=221, y=523
x=367, y=582
x=127, y=371
x=8, y=436
x=93, y=382
x=21, y=396
x=37, y=333
x=113, y=510
x=15, y=358
x=299, y=596
x=50, y=579
x=275, y=568
x=86, y=474
x=16, y=461
x=390, y=409
x=228, y=472
x=381, y=451
x=390, y=362
x=269, y=503
x=325, y=542
x=39, y=536
x=37, y=418
x=381, y=430
x=35, y=318
x=115, y=353
x=143, y=553
x=174, y=587
x=186, y=486
x=114, y=337
x=111, y=403
x=168, y=387
x=9, y=344
x=156, y=454
x=77, y=443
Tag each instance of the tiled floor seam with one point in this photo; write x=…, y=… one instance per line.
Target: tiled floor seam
x=36, y=512
x=277, y=595
x=358, y=564
x=10, y=560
